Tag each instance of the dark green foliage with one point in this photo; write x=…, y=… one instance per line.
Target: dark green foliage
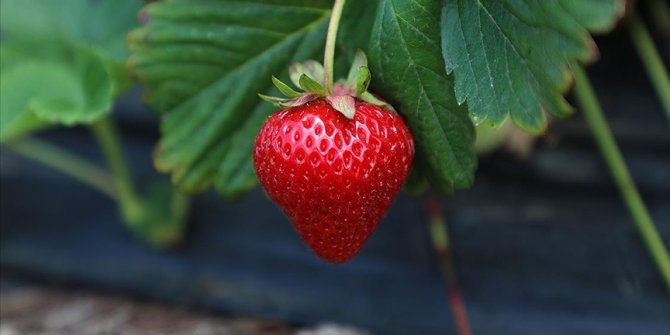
x=204, y=62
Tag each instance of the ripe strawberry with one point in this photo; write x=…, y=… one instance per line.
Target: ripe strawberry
x=334, y=173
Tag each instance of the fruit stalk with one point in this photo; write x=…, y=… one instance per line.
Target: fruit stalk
x=331, y=39
x=589, y=105
x=66, y=163
x=656, y=71
x=132, y=208
x=440, y=239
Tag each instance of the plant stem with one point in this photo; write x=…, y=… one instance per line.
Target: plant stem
x=440, y=239
x=331, y=39
x=650, y=58
x=66, y=163
x=131, y=206
x=608, y=148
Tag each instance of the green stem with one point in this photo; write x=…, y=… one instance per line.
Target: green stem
x=608, y=148
x=66, y=163
x=440, y=239
x=651, y=59
x=331, y=38
x=131, y=205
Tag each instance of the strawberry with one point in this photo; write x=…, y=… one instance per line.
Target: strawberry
x=333, y=163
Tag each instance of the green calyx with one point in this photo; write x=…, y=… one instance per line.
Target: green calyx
x=308, y=77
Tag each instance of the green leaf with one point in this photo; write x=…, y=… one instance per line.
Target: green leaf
x=285, y=89
x=84, y=98
x=202, y=63
x=370, y=98
x=9, y=56
x=344, y=104
x=313, y=71
x=48, y=24
x=53, y=30
x=363, y=81
x=360, y=60
x=510, y=57
x=25, y=82
x=276, y=101
x=310, y=85
x=38, y=93
x=415, y=82
x=62, y=61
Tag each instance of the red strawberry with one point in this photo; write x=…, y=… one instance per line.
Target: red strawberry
x=334, y=164
x=334, y=178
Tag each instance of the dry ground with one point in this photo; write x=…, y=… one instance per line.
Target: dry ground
x=47, y=310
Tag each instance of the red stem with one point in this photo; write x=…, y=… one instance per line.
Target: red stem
x=442, y=246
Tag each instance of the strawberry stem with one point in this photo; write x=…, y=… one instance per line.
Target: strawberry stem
x=65, y=162
x=442, y=246
x=331, y=37
x=651, y=59
x=130, y=202
x=587, y=100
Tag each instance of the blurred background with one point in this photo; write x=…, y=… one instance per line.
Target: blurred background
x=541, y=244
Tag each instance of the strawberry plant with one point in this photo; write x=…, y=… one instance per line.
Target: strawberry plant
x=440, y=74
x=63, y=65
